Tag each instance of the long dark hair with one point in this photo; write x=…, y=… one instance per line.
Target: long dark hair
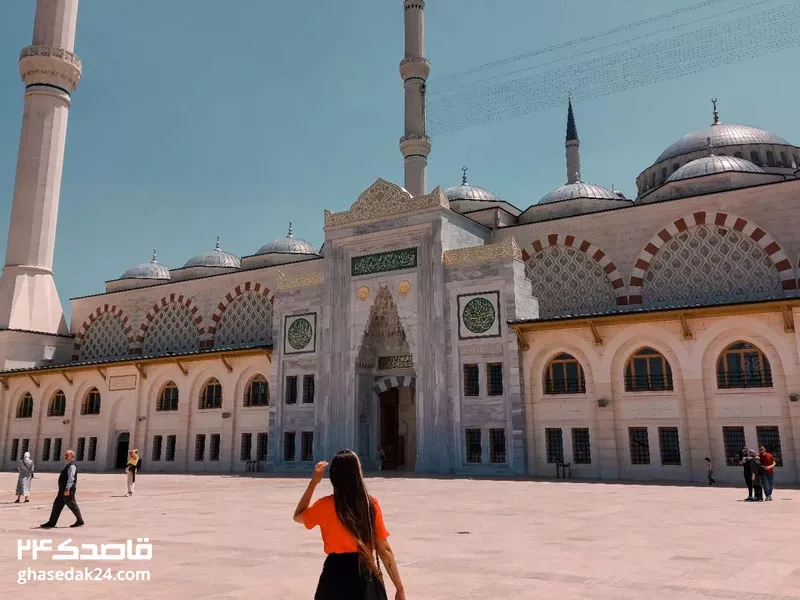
x=354, y=506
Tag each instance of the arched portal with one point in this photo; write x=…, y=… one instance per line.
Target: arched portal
x=123, y=443
x=397, y=422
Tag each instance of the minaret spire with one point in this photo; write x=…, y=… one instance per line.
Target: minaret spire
x=573, y=145
x=414, y=69
x=716, y=112
x=51, y=72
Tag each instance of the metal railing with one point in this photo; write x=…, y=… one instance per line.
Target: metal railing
x=745, y=379
x=564, y=386
x=648, y=383
x=563, y=470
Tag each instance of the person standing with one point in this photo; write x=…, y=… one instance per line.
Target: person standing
x=767, y=461
x=755, y=470
x=748, y=474
x=353, y=534
x=67, y=486
x=711, y=480
x=25, y=468
x=131, y=468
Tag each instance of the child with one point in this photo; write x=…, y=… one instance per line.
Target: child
x=711, y=480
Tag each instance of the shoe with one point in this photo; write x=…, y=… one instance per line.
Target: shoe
x=749, y=499
x=128, y=494
x=47, y=525
x=77, y=524
x=27, y=499
x=769, y=498
x=16, y=501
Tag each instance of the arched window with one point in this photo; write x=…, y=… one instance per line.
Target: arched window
x=91, y=403
x=647, y=371
x=168, y=397
x=742, y=365
x=25, y=407
x=257, y=392
x=211, y=395
x=755, y=157
x=770, y=158
x=58, y=405
x=564, y=375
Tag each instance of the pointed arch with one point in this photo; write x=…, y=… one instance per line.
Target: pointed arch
x=395, y=381
x=248, y=302
x=746, y=228
x=25, y=406
x=187, y=318
x=57, y=407
x=110, y=334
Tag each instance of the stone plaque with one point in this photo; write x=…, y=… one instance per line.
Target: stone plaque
x=120, y=383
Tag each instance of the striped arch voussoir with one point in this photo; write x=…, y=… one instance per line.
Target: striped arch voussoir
x=728, y=221
x=105, y=309
x=230, y=297
x=395, y=381
x=595, y=253
x=157, y=308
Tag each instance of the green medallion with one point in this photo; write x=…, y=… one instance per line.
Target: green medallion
x=479, y=315
x=299, y=334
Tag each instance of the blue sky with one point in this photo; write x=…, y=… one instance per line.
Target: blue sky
x=198, y=118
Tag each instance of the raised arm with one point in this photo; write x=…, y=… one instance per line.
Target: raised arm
x=387, y=558
x=316, y=477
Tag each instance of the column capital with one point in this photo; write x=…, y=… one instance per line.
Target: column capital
x=50, y=65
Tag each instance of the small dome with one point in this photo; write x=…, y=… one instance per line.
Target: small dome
x=215, y=258
x=721, y=134
x=288, y=245
x=466, y=191
x=151, y=270
x=711, y=165
x=572, y=191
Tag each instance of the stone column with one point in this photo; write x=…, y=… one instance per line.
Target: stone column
x=697, y=426
x=606, y=431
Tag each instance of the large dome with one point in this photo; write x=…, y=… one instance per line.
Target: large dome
x=215, y=258
x=288, y=245
x=712, y=165
x=572, y=191
x=151, y=270
x=721, y=134
x=470, y=192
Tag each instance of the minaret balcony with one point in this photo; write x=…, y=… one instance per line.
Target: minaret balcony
x=50, y=65
x=415, y=67
x=415, y=145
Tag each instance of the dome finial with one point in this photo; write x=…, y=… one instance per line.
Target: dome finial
x=710, y=146
x=217, y=247
x=464, y=175
x=155, y=255
x=716, y=112
x=290, y=230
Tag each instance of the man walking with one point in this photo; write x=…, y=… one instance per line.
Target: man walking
x=768, y=475
x=67, y=485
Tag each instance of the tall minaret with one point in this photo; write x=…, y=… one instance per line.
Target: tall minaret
x=414, y=69
x=573, y=148
x=50, y=71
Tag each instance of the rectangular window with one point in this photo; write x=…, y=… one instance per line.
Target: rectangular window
x=15, y=449
x=497, y=445
x=291, y=389
x=472, y=380
x=81, y=448
x=639, y=444
x=554, y=441
x=770, y=438
x=670, y=445
x=92, y=449
x=307, y=446
x=261, y=446
x=733, y=440
x=199, y=447
x=247, y=446
x=25, y=446
x=785, y=160
x=308, y=389
x=172, y=441
x=288, y=446
x=46, y=449
x=215, y=444
x=158, y=440
x=581, y=446
x=473, y=442
x=57, y=449
x=494, y=379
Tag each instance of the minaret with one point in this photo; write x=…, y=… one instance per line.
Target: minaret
x=414, y=69
x=50, y=71
x=573, y=148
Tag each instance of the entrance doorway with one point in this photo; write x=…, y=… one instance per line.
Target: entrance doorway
x=397, y=428
x=123, y=442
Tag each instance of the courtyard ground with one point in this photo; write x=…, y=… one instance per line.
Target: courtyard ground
x=233, y=537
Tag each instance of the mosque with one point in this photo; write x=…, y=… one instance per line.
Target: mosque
x=446, y=329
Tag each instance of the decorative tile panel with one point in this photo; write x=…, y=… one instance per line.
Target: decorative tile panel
x=300, y=332
x=506, y=249
x=386, y=363
x=383, y=262
x=247, y=320
x=105, y=339
x=173, y=329
x=479, y=315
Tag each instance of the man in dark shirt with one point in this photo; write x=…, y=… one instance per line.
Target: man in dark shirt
x=748, y=474
x=67, y=486
x=768, y=476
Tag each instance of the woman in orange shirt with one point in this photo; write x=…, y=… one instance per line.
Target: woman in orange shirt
x=353, y=534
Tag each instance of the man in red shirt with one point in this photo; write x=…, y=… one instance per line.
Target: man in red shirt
x=768, y=464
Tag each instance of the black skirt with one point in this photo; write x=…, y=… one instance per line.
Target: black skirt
x=342, y=579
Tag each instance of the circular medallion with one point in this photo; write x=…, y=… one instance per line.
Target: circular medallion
x=299, y=334
x=478, y=315
x=362, y=293
x=404, y=287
